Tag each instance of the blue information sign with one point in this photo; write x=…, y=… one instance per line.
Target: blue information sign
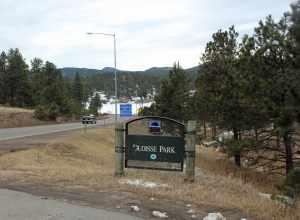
x=125, y=110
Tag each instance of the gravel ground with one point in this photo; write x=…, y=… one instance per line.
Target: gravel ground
x=22, y=206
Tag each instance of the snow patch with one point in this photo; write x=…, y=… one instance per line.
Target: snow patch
x=135, y=208
x=214, y=216
x=159, y=214
x=142, y=183
x=191, y=211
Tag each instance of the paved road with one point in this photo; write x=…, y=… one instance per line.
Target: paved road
x=13, y=133
x=22, y=206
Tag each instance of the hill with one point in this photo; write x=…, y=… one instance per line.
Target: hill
x=154, y=71
x=130, y=83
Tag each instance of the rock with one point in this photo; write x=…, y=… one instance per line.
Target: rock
x=118, y=207
x=159, y=214
x=191, y=211
x=135, y=208
x=214, y=216
x=284, y=199
x=193, y=216
x=152, y=199
x=265, y=195
x=210, y=143
x=188, y=205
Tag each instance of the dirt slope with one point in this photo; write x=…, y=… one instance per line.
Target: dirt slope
x=17, y=117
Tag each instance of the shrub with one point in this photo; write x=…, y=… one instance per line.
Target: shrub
x=291, y=185
x=41, y=112
x=45, y=112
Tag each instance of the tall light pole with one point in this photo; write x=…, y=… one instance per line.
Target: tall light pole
x=115, y=71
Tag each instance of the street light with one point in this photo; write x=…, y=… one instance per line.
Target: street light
x=115, y=59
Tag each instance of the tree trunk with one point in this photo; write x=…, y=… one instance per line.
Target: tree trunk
x=288, y=152
x=256, y=134
x=237, y=154
x=214, y=131
x=277, y=140
x=204, y=128
x=237, y=160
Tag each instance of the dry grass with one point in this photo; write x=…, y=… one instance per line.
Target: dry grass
x=16, y=117
x=14, y=110
x=88, y=160
x=219, y=163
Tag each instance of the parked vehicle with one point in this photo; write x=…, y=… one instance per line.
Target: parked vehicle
x=89, y=119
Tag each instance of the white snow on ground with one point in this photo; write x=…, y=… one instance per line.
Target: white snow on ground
x=135, y=208
x=191, y=211
x=214, y=216
x=142, y=183
x=159, y=214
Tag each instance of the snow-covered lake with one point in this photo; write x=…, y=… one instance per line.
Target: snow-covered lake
x=109, y=108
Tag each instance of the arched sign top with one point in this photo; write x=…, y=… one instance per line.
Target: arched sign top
x=155, y=126
x=154, y=117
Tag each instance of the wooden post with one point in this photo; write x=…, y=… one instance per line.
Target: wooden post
x=119, y=149
x=190, y=148
x=85, y=128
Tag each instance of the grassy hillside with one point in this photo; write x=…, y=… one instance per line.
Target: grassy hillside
x=17, y=117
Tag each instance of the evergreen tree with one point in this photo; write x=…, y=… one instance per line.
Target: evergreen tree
x=173, y=99
x=278, y=79
x=37, y=80
x=220, y=85
x=77, y=89
x=54, y=99
x=3, y=86
x=95, y=104
x=16, y=80
x=77, y=94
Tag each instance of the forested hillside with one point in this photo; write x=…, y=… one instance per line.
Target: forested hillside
x=130, y=83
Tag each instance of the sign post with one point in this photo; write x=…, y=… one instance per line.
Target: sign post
x=190, y=140
x=119, y=149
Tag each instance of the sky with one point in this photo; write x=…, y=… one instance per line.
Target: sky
x=149, y=33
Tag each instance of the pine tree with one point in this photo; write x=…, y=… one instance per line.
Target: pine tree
x=172, y=101
x=77, y=94
x=3, y=86
x=279, y=79
x=37, y=79
x=220, y=86
x=17, y=80
x=95, y=104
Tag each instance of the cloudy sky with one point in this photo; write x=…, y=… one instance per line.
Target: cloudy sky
x=149, y=32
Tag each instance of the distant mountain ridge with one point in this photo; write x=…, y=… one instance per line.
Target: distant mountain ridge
x=153, y=71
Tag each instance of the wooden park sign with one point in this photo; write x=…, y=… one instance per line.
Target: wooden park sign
x=154, y=143
x=157, y=143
